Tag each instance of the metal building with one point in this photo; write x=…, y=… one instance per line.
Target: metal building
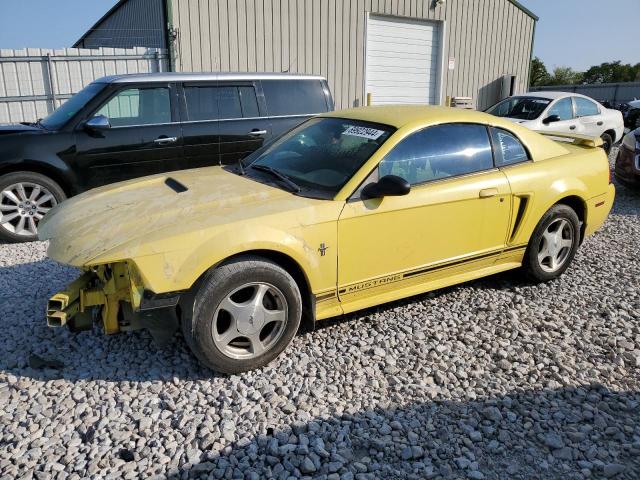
x=399, y=51
x=128, y=24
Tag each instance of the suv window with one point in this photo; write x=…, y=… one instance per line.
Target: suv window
x=138, y=106
x=294, y=97
x=223, y=102
x=440, y=152
x=508, y=148
x=585, y=108
x=563, y=108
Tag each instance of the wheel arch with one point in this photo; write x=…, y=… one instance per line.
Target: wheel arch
x=612, y=134
x=288, y=263
x=578, y=205
x=43, y=169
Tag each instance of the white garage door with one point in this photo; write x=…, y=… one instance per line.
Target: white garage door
x=402, y=61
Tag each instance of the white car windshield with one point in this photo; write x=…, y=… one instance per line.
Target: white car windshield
x=522, y=108
x=322, y=154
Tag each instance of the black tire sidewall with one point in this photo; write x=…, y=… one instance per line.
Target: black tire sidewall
x=532, y=265
x=216, y=285
x=30, y=177
x=607, y=142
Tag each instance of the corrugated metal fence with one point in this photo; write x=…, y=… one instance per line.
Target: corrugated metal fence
x=614, y=93
x=35, y=81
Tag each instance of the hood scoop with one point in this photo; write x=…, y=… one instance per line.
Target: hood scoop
x=175, y=185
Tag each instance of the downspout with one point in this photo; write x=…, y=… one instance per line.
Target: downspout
x=168, y=34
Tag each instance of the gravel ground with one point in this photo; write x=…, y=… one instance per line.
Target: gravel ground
x=488, y=380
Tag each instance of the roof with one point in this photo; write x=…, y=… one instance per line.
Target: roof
x=195, y=77
x=101, y=20
x=120, y=3
x=552, y=95
x=402, y=115
x=410, y=118
x=525, y=10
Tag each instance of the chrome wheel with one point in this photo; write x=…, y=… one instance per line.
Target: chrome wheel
x=250, y=320
x=22, y=206
x=555, y=245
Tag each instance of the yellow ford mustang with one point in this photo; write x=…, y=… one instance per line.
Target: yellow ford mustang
x=348, y=210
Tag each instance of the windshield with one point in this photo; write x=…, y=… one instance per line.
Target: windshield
x=523, y=108
x=322, y=154
x=72, y=106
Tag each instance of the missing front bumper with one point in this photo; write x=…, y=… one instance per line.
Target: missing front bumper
x=114, y=294
x=105, y=288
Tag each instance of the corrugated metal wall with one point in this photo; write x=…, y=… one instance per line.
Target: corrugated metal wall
x=486, y=38
x=30, y=90
x=614, y=93
x=133, y=23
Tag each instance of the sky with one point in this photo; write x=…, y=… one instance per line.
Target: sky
x=573, y=33
x=582, y=33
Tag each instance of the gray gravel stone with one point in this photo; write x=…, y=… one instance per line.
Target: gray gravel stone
x=492, y=379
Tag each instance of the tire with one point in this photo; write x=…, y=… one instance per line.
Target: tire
x=23, y=190
x=245, y=313
x=539, y=262
x=607, y=142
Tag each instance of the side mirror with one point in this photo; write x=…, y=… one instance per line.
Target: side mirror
x=99, y=122
x=387, y=186
x=551, y=119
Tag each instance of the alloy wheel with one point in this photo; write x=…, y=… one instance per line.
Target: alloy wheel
x=22, y=206
x=250, y=320
x=555, y=245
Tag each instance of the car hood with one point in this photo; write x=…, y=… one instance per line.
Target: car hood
x=130, y=216
x=7, y=129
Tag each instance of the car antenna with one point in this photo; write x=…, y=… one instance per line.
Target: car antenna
x=240, y=166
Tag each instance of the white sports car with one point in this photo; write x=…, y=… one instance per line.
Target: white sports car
x=563, y=112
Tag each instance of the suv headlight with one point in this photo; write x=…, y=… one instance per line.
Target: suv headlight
x=630, y=141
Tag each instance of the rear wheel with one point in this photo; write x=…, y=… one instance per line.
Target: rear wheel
x=244, y=315
x=553, y=244
x=25, y=197
x=607, y=142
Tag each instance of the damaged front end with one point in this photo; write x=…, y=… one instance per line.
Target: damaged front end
x=113, y=294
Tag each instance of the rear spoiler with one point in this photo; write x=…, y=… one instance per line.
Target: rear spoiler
x=576, y=139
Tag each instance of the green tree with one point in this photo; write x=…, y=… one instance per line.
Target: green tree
x=612, y=72
x=539, y=74
x=565, y=76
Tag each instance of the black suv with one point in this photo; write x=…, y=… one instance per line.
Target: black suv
x=128, y=126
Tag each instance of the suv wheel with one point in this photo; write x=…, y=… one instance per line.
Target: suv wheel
x=244, y=315
x=25, y=197
x=553, y=244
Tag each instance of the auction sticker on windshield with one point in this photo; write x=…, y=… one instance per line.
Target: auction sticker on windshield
x=357, y=131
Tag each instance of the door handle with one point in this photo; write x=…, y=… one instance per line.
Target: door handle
x=488, y=192
x=572, y=127
x=256, y=133
x=600, y=123
x=165, y=140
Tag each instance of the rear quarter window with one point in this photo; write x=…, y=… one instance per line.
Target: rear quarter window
x=294, y=97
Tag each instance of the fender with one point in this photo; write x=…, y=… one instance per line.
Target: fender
x=178, y=270
x=50, y=155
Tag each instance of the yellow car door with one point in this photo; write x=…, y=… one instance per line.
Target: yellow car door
x=454, y=219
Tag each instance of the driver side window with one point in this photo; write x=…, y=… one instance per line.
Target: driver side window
x=138, y=106
x=563, y=109
x=439, y=152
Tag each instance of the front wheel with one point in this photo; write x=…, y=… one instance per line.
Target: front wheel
x=244, y=315
x=553, y=244
x=25, y=197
